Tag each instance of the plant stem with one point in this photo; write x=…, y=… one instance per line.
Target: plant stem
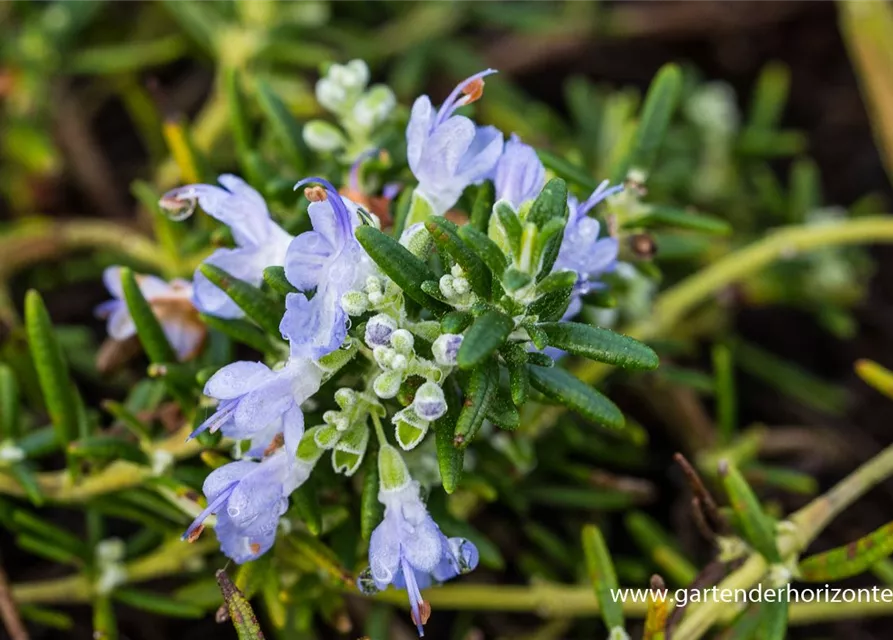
x=379, y=430
x=167, y=559
x=9, y=611
x=57, y=486
x=563, y=601
x=672, y=306
x=29, y=242
x=808, y=523
x=814, y=517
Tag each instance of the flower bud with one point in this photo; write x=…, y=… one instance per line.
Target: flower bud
x=379, y=330
x=429, y=402
x=392, y=472
x=352, y=76
x=461, y=286
x=322, y=136
x=354, y=303
x=387, y=384
x=402, y=341
x=374, y=107
x=446, y=286
x=445, y=348
x=330, y=94
x=345, y=398
x=417, y=239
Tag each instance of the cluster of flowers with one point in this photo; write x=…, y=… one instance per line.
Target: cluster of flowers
x=335, y=279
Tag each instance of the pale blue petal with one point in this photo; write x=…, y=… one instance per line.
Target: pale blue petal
x=237, y=379
x=481, y=156
x=420, y=121
x=314, y=327
x=221, y=478
x=306, y=259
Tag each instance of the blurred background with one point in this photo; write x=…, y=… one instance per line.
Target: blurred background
x=773, y=129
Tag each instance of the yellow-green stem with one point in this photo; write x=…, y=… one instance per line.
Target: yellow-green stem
x=58, y=486
x=168, y=559
x=674, y=304
x=40, y=239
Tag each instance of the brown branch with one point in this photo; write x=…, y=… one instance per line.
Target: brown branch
x=9, y=612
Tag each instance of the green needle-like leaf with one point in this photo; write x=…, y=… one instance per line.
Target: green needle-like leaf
x=660, y=547
x=52, y=372
x=602, y=576
x=149, y=330
x=157, y=603
x=371, y=509
x=488, y=332
x=240, y=611
x=483, y=207
x=563, y=387
x=599, y=344
x=305, y=500
x=241, y=331
x=773, y=619
x=660, y=103
x=485, y=248
x=679, y=219
x=551, y=203
x=511, y=224
x=756, y=525
x=106, y=448
x=275, y=277
x=9, y=403
x=400, y=265
x=503, y=413
x=479, y=393
x=449, y=458
x=851, y=559
x=255, y=303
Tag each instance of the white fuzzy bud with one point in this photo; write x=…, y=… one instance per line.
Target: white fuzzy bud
x=402, y=341
x=353, y=76
x=379, y=330
x=323, y=137
x=330, y=95
x=461, y=286
x=445, y=349
x=429, y=402
x=387, y=384
x=374, y=107
x=355, y=303
x=345, y=398
x=417, y=239
x=446, y=286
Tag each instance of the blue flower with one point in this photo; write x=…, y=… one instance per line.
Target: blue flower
x=329, y=261
x=258, y=403
x=583, y=251
x=519, y=175
x=409, y=551
x=260, y=242
x=248, y=498
x=447, y=152
x=171, y=303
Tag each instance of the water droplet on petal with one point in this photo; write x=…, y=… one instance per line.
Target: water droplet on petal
x=177, y=209
x=366, y=583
